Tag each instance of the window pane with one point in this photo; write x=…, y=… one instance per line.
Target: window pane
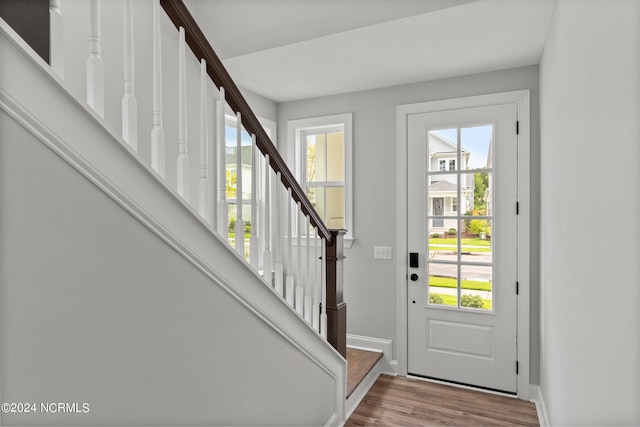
x=317, y=198
x=329, y=203
x=335, y=207
x=477, y=193
x=477, y=290
x=443, y=149
x=443, y=284
x=231, y=165
x=316, y=157
x=246, y=218
x=335, y=156
x=476, y=240
x=476, y=147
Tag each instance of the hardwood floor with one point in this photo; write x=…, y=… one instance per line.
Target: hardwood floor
x=359, y=364
x=400, y=401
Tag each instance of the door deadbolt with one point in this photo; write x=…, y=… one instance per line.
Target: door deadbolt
x=414, y=277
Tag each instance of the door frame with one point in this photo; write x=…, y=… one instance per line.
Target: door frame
x=522, y=99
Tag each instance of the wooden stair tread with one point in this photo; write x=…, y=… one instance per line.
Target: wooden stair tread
x=359, y=364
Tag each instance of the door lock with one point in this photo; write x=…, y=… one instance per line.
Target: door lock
x=414, y=277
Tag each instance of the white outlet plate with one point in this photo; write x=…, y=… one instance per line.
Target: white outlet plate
x=382, y=252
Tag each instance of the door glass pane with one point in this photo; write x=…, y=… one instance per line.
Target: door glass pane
x=443, y=246
x=476, y=287
x=475, y=243
x=476, y=193
x=442, y=147
x=459, y=222
x=476, y=147
x=443, y=284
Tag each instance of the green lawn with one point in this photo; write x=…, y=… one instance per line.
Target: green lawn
x=247, y=236
x=469, y=242
x=437, y=244
x=451, y=300
x=451, y=282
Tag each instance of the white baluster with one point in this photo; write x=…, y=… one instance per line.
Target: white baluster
x=95, y=68
x=277, y=239
x=239, y=229
x=254, y=242
x=56, y=38
x=315, y=319
x=204, y=198
x=267, y=266
x=183, y=152
x=223, y=208
x=290, y=282
x=129, y=101
x=158, y=160
x=299, y=282
x=323, y=289
x=307, y=273
x=212, y=132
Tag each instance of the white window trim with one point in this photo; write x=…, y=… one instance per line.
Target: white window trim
x=295, y=130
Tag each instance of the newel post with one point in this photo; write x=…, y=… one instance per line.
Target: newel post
x=336, y=307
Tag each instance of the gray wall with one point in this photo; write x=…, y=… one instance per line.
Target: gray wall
x=98, y=309
x=590, y=321
x=370, y=285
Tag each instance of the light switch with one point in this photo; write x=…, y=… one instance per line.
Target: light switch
x=382, y=252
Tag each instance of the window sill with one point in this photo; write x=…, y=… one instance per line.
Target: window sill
x=348, y=242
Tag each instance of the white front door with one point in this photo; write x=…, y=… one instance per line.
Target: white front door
x=462, y=302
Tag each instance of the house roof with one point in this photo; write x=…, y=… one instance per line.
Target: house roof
x=439, y=144
x=445, y=186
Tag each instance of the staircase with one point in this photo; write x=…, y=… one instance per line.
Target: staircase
x=124, y=287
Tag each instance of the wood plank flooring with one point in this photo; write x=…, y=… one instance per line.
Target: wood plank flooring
x=359, y=364
x=400, y=401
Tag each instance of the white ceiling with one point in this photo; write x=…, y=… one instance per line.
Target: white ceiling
x=297, y=49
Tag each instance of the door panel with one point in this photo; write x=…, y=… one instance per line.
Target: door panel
x=462, y=309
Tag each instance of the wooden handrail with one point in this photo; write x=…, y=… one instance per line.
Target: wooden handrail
x=177, y=11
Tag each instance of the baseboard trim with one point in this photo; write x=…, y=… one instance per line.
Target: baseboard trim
x=378, y=345
x=334, y=421
x=535, y=394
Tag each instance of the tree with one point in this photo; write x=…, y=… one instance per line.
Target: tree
x=231, y=180
x=480, y=183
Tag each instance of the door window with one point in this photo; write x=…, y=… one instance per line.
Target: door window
x=460, y=262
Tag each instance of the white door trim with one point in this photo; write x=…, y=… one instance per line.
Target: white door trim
x=521, y=97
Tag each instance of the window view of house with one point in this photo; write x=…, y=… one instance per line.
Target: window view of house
x=231, y=173
x=459, y=217
x=324, y=180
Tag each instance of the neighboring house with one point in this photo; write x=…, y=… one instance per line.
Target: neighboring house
x=443, y=189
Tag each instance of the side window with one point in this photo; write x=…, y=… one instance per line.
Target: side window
x=231, y=175
x=322, y=149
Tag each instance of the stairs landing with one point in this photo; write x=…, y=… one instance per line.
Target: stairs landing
x=359, y=364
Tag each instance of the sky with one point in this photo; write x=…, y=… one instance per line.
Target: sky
x=475, y=139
